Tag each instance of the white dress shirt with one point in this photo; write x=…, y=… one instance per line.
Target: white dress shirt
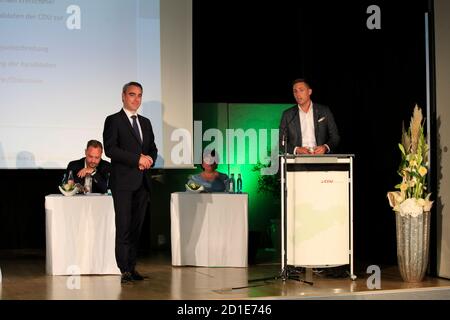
x=308, y=129
x=129, y=114
x=307, y=126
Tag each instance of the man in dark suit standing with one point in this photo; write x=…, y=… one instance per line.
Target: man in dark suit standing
x=307, y=128
x=92, y=171
x=130, y=143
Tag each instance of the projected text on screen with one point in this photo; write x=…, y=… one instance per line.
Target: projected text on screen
x=62, y=68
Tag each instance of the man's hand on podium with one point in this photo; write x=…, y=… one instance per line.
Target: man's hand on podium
x=320, y=150
x=302, y=150
x=317, y=150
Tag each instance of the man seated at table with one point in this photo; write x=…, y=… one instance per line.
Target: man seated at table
x=210, y=179
x=92, y=171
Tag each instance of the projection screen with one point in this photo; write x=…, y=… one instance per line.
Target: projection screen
x=63, y=64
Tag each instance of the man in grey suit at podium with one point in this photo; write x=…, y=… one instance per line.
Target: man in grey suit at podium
x=307, y=128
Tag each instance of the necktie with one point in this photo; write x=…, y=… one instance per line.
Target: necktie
x=136, y=128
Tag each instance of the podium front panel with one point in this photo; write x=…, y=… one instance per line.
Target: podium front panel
x=318, y=218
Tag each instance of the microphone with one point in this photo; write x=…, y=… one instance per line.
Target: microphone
x=287, y=125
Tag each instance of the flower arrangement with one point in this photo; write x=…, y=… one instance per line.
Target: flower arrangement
x=70, y=189
x=413, y=198
x=69, y=186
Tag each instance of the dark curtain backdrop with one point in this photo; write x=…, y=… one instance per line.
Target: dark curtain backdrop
x=249, y=52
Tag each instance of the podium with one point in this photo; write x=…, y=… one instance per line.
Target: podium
x=319, y=210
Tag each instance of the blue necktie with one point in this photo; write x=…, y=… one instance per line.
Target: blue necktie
x=136, y=128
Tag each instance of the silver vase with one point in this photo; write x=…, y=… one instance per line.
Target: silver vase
x=413, y=235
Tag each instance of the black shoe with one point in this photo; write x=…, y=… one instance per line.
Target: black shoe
x=126, y=277
x=137, y=276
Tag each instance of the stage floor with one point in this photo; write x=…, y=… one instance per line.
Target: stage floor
x=24, y=278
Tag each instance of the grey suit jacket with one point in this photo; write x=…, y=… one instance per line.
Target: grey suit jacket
x=326, y=131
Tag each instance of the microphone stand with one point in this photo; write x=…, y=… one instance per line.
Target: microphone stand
x=286, y=273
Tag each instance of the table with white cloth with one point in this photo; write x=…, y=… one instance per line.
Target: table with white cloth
x=80, y=235
x=209, y=229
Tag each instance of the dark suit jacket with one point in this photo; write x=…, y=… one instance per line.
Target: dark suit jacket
x=326, y=131
x=122, y=145
x=99, y=179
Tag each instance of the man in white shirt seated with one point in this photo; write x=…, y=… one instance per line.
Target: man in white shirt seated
x=92, y=171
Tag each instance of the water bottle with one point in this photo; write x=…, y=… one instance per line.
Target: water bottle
x=239, y=184
x=231, y=184
x=108, y=191
x=64, y=179
x=70, y=178
x=87, y=184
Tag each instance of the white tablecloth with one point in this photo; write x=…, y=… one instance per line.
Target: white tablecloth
x=209, y=229
x=80, y=232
